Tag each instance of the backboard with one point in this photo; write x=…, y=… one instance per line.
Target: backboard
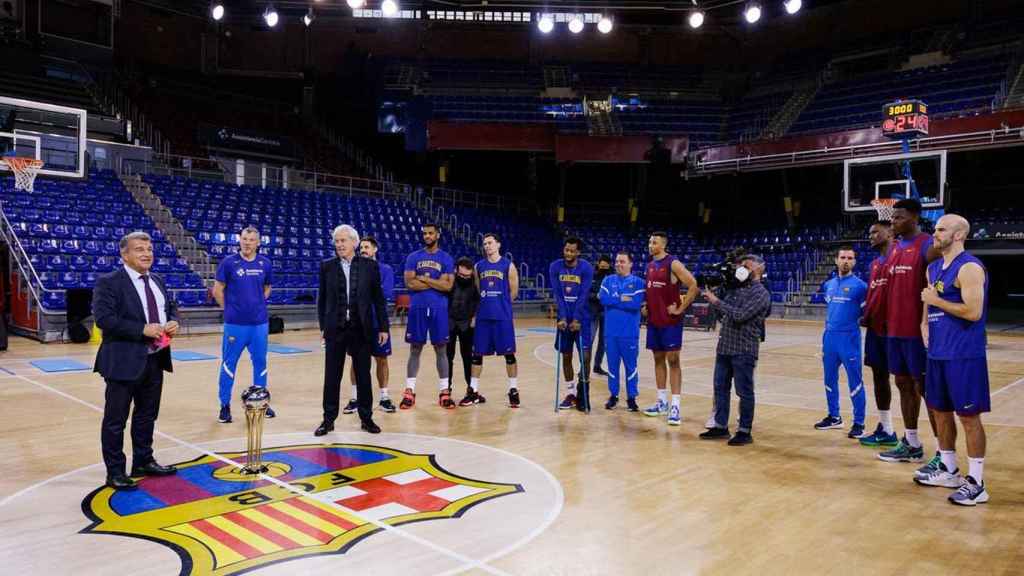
x=48, y=132
x=877, y=177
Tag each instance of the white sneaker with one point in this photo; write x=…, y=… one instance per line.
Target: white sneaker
x=941, y=477
x=969, y=493
x=659, y=407
x=673, y=416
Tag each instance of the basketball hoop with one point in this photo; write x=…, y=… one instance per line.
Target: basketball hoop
x=885, y=208
x=25, y=170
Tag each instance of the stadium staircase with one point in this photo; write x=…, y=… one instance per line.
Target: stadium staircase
x=184, y=242
x=788, y=114
x=1015, y=96
x=601, y=119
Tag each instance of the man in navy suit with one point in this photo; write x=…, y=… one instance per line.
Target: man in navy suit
x=138, y=317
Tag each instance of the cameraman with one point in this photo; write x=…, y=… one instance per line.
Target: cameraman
x=742, y=312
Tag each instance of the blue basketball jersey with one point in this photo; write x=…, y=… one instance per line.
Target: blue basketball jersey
x=434, y=265
x=950, y=337
x=495, y=291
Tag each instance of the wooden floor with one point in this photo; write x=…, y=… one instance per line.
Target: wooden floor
x=605, y=493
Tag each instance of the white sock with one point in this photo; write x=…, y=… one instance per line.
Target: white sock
x=410, y=383
x=675, y=400
x=662, y=395
x=886, y=417
x=383, y=393
x=976, y=469
x=355, y=392
x=948, y=460
x=513, y=383
x=444, y=385
x=474, y=383
x=912, y=439
x=570, y=386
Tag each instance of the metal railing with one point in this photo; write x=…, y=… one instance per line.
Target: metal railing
x=277, y=177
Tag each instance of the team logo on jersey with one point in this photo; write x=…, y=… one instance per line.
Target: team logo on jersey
x=240, y=272
x=940, y=286
x=428, y=264
x=222, y=522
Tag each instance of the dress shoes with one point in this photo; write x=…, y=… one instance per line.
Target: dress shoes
x=121, y=482
x=323, y=428
x=153, y=469
x=370, y=426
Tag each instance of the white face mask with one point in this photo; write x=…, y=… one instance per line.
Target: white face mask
x=742, y=273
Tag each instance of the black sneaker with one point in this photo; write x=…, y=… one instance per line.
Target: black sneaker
x=513, y=398
x=271, y=413
x=225, y=414
x=472, y=397
x=829, y=423
x=600, y=371
x=714, y=434
x=631, y=405
x=351, y=407
x=856, y=431
x=610, y=404
x=741, y=438
x=387, y=405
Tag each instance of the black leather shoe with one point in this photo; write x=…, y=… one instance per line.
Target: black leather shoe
x=715, y=434
x=121, y=482
x=153, y=469
x=323, y=428
x=370, y=427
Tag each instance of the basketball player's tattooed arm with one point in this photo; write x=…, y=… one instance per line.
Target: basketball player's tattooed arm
x=971, y=279
x=684, y=276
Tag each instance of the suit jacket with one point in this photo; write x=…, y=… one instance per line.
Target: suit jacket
x=121, y=316
x=368, y=296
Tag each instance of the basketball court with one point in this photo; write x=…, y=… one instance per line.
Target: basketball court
x=489, y=490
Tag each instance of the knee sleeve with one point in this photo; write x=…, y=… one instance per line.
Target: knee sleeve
x=477, y=360
x=510, y=359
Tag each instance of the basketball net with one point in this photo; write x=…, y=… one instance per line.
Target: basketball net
x=885, y=208
x=25, y=170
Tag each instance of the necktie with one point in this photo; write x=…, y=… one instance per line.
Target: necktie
x=152, y=311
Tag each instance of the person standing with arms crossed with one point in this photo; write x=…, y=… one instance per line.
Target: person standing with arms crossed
x=429, y=276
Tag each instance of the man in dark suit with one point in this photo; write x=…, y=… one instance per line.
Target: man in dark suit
x=138, y=317
x=353, y=314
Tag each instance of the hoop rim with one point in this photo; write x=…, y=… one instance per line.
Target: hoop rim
x=884, y=202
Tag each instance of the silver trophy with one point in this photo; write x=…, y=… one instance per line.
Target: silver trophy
x=256, y=401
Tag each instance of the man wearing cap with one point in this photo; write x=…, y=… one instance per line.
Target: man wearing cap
x=742, y=312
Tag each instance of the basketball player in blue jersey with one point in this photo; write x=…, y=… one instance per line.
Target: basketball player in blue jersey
x=242, y=287
x=570, y=279
x=429, y=275
x=368, y=248
x=498, y=282
x=956, y=380
x=844, y=295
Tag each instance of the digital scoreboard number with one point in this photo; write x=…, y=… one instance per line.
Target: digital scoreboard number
x=905, y=119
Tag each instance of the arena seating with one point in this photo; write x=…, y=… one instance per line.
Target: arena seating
x=960, y=87
x=70, y=232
